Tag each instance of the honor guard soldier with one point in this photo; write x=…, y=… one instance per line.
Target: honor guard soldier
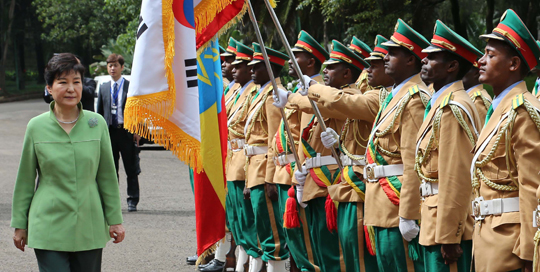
x=231, y=88
x=310, y=56
x=239, y=211
x=363, y=51
x=320, y=171
x=449, y=131
x=260, y=128
x=536, y=70
x=355, y=238
x=475, y=90
x=392, y=142
x=505, y=166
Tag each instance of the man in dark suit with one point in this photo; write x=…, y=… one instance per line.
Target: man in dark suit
x=111, y=104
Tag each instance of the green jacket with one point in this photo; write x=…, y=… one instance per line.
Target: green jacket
x=77, y=196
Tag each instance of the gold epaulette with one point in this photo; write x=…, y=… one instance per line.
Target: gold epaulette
x=446, y=100
x=477, y=93
x=518, y=101
x=413, y=90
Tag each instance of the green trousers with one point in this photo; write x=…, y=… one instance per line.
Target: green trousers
x=325, y=244
x=241, y=221
x=269, y=225
x=297, y=239
x=393, y=254
x=350, y=223
x=61, y=261
x=434, y=261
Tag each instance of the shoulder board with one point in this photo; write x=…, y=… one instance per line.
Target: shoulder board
x=517, y=101
x=477, y=93
x=446, y=100
x=413, y=90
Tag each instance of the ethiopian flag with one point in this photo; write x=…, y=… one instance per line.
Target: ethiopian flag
x=212, y=17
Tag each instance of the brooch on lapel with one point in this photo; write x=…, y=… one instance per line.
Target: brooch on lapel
x=92, y=122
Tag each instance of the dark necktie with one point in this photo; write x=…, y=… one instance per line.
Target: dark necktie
x=115, y=105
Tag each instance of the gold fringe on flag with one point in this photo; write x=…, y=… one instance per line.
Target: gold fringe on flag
x=147, y=115
x=207, y=10
x=209, y=251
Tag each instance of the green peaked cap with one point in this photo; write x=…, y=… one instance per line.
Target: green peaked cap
x=231, y=49
x=380, y=50
x=221, y=49
x=360, y=48
x=274, y=56
x=308, y=44
x=340, y=53
x=445, y=39
x=243, y=53
x=406, y=36
x=512, y=30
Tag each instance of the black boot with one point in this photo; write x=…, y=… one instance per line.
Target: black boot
x=214, y=265
x=191, y=260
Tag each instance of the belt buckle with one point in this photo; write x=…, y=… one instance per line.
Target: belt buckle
x=476, y=207
x=234, y=144
x=370, y=173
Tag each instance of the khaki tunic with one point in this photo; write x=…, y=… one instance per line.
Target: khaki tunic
x=481, y=99
x=230, y=96
x=446, y=216
x=401, y=140
x=502, y=242
x=236, y=160
x=354, y=138
x=297, y=120
x=333, y=119
x=265, y=121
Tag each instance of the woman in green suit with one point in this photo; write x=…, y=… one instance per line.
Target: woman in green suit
x=75, y=208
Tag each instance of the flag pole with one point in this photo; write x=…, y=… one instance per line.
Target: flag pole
x=299, y=73
x=273, y=79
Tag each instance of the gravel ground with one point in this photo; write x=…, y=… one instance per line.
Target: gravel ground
x=158, y=237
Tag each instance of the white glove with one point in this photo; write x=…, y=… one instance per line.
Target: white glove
x=280, y=98
x=303, y=90
x=301, y=175
x=329, y=138
x=299, y=194
x=408, y=228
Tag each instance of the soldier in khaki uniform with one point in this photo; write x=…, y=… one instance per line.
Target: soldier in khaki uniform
x=239, y=210
x=309, y=55
x=355, y=238
x=505, y=166
x=261, y=126
x=449, y=131
x=363, y=51
x=475, y=90
x=320, y=170
x=391, y=143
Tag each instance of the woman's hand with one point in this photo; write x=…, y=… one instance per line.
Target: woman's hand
x=117, y=232
x=19, y=238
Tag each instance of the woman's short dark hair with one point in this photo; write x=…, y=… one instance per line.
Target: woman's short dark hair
x=112, y=58
x=62, y=64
